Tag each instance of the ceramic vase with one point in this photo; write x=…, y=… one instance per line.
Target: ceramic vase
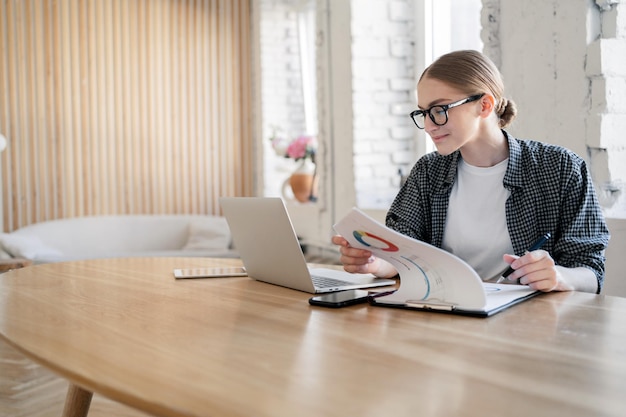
x=302, y=183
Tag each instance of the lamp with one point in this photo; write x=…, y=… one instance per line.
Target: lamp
x=3, y=145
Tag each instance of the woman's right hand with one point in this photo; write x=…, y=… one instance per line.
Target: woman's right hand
x=362, y=261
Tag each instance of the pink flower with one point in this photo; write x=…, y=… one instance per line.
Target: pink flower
x=302, y=147
x=298, y=148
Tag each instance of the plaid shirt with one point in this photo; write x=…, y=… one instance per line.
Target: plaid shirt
x=551, y=191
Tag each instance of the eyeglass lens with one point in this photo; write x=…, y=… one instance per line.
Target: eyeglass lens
x=437, y=114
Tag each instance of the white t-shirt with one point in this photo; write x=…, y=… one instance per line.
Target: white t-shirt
x=476, y=228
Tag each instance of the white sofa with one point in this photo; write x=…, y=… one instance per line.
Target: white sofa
x=119, y=236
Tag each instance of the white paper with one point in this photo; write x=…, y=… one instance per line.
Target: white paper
x=428, y=275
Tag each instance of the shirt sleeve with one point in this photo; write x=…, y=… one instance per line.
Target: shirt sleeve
x=583, y=235
x=552, y=191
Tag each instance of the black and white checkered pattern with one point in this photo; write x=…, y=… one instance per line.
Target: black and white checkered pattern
x=551, y=191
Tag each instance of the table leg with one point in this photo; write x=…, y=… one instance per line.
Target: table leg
x=77, y=402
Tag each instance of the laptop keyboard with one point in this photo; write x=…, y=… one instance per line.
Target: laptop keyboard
x=325, y=282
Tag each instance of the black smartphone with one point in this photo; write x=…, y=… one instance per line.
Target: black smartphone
x=340, y=298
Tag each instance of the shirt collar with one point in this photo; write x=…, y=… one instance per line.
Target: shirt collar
x=513, y=177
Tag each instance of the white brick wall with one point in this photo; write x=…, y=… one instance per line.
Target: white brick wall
x=607, y=117
x=384, y=77
x=564, y=65
x=383, y=90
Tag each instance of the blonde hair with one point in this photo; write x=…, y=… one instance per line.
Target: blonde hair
x=473, y=73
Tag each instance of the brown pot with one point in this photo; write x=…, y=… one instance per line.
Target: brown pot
x=303, y=186
x=303, y=183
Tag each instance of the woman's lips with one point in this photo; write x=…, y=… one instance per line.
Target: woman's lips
x=438, y=138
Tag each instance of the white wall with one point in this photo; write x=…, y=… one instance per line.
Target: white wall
x=615, y=282
x=383, y=94
x=564, y=64
x=564, y=67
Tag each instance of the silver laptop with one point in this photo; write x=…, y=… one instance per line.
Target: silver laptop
x=267, y=243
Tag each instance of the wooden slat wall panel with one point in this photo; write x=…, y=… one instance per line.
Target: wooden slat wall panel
x=123, y=107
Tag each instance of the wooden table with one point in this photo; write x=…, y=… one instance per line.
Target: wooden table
x=126, y=329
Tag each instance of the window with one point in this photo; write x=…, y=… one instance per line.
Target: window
x=356, y=64
x=393, y=41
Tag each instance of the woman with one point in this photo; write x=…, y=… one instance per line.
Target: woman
x=484, y=193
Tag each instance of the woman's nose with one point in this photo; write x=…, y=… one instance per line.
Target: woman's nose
x=429, y=125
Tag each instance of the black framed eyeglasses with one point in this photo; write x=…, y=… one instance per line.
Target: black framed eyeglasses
x=439, y=114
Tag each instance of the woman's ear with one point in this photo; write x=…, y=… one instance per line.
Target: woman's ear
x=487, y=105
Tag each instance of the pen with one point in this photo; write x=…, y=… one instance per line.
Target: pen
x=537, y=245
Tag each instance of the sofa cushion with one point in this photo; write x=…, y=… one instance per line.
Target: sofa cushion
x=208, y=234
x=29, y=247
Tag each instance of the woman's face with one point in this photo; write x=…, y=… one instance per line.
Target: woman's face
x=463, y=121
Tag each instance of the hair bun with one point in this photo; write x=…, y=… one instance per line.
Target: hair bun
x=507, y=110
x=502, y=106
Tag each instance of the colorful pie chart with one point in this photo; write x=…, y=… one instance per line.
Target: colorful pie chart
x=374, y=241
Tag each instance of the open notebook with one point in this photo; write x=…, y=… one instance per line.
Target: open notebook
x=267, y=243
